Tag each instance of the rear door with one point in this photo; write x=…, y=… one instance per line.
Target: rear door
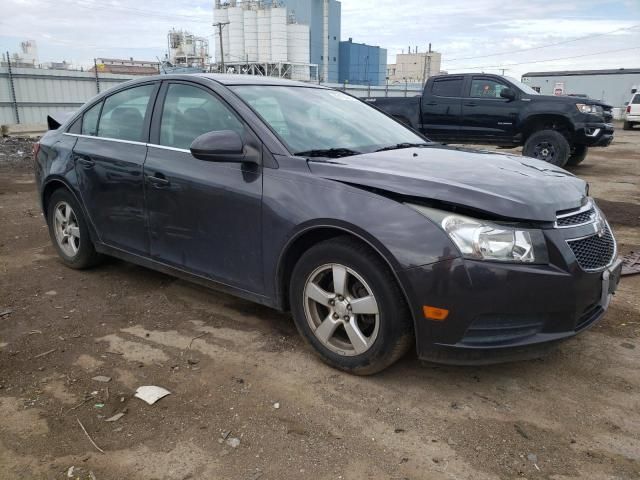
x=486, y=115
x=441, y=108
x=109, y=156
x=204, y=217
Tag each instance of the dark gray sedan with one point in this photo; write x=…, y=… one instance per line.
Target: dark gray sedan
x=306, y=199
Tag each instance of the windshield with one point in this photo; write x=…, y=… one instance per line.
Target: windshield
x=309, y=119
x=522, y=86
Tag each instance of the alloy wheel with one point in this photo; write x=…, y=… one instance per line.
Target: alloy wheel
x=545, y=151
x=341, y=309
x=66, y=228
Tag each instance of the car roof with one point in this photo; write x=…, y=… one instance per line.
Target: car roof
x=230, y=79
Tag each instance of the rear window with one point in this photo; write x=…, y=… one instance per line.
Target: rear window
x=90, y=120
x=636, y=99
x=447, y=87
x=123, y=114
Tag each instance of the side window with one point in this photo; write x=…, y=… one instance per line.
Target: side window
x=636, y=99
x=448, y=87
x=90, y=120
x=189, y=112
x=124, y=113
x=486, y=88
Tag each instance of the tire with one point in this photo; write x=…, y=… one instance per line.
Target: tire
x=69, y=232
x=548, y=145
x=627, y=126
x=384, y=338
x=578, y=155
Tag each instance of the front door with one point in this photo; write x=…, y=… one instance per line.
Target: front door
x=109, y=157
x=485, y=114
x=204, y=217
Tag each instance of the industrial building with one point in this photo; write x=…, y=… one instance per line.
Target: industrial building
x=612, y=86
x=26, y=57
x=362, y=64
x=297, y=39
x=414, y=67
x=187, y=50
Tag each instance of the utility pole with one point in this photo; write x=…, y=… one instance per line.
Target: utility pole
x=426, y=73
x=220, y=25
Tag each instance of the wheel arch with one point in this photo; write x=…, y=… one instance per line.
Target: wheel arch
x=53, y=184
x=50, y=186
x=311, y=235
x=547, y=121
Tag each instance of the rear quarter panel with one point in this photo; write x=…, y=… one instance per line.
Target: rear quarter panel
x=54, y=162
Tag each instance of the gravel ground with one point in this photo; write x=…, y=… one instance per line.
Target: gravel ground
x=250, y=401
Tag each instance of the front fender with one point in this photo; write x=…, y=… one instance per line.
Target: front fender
x=402, y=236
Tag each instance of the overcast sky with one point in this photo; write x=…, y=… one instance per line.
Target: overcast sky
x=474, y=35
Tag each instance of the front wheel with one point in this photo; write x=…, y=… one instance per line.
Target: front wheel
x=578, y=155
x=548, y=145
x=347, y=304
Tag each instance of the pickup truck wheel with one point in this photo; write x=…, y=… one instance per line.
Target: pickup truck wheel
x=578, y=155
x=548, y=145
x=347, y=304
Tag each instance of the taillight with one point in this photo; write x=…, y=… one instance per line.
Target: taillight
x=36, y=150
x=628, y=108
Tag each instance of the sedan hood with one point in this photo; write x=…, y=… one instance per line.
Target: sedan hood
x=502, y=185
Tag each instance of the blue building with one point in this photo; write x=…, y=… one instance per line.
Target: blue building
x=312, y=13
x=362, y=64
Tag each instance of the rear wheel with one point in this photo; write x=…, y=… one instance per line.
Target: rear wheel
x=69, y=231
x=548, y=145
x=347, y=304
x=578, y=155
x=627, y=126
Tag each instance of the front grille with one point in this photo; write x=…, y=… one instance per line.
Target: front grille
x=594, y=252
x=579, y=218
x=498, y=329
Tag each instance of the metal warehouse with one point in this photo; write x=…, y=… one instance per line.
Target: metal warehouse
x=611, y=86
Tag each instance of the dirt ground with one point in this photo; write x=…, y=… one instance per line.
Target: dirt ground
x=239, y=371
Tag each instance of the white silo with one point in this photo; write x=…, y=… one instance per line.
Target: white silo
x=236, y=35
x=278, y=34
x=298, y=50
x=264, y=35
x=251, y=34
x=221, y=15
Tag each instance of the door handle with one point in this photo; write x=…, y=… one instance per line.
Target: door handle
x=86, y=162
x=158, y=180
x=471, y=104
x=431, y=104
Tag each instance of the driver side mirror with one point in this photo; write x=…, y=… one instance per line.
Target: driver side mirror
x=218, y=146
x=508, y=93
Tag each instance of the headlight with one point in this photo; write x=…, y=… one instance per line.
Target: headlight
x=484, y=240
x=489, y=242
x=589, y=108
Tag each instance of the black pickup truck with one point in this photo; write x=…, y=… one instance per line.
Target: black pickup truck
x=496, y=110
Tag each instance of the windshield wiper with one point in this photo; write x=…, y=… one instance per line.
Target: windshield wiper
x=398, y=146
x=328, y=153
